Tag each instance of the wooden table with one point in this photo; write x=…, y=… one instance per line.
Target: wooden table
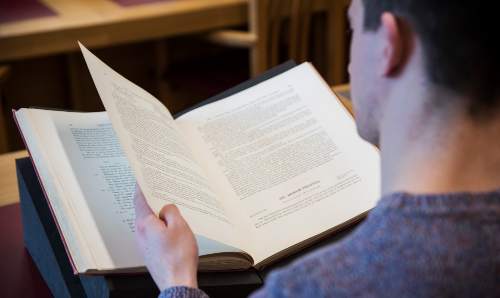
x=344, y=94
x=101, y=23
x=8, y=181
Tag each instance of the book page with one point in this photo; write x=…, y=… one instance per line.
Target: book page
x=162, y=162
x=290, y=159
x=42, y=148
x=100, y=186
x=106, y=186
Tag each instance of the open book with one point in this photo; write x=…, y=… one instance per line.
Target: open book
x=257, y=175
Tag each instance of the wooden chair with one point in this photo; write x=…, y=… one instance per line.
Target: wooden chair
x=266, y=25
x=256, y=39
x=4, y=72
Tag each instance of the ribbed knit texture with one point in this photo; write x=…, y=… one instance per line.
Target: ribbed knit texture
x=409, y=246
x=182, y=292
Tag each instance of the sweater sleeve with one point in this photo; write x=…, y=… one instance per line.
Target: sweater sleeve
x=271, y=288
x=182, y=292
x=311, y=276
x=300, y=279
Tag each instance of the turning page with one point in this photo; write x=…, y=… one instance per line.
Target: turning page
x=163, y=164
x=287, y=158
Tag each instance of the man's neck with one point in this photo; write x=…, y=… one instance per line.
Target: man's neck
x=426, y=150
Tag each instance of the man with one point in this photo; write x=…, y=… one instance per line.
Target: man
x=425, y=84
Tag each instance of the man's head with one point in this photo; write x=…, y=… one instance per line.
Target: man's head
x=445, y=44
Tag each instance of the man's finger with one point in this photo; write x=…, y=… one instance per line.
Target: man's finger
x=142, y=209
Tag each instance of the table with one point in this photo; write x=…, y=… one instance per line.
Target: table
x=101, y=23
x=344, y=94
x=8, y=181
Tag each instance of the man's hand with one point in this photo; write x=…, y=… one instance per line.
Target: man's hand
x=167, y=244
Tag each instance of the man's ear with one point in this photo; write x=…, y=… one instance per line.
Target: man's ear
x=392, y=44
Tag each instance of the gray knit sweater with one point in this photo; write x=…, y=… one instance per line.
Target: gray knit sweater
x=409, y=246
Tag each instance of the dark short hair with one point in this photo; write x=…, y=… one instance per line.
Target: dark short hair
x=459, y=40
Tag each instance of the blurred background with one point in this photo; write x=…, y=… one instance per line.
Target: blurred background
x=181, y=51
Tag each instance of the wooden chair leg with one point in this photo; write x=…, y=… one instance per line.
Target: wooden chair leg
x=293, y=49
x=74, y=76
x=300, y=27
x=4, y=144
x=163, y=90
x=336, y=41
x=275, y=31
x=259, y=24
x=305, y=30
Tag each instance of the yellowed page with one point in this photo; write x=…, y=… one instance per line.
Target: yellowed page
x=53, y=171
x=162, y=162
x=95, y=184
x=286, y=155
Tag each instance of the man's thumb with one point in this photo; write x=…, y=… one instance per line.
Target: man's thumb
x=170, y=214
